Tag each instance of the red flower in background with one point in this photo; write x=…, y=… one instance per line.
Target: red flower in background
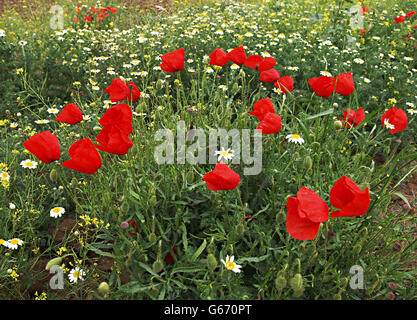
x=221, y=178
x=354, y=117
x=173, y=61
x=253, y=61
x=261, y=108
x=363, y=10
x=84, y=157
x=305, y=213
x=285, y=84
x=271, y=75
x=410, y=14
x=70, y=114
x=118, y=90
x=168, y=257
x=394, y=119
x=119, y=116
x=218, y=58
x=270, y=124
x=44, y=146
x=87, y=18
x=237, y=56
x=399, y=19
x=112, y=140
x=344, y=84
x=133, y=224
x=323, y=86
x=349, y=198
x=362, y=32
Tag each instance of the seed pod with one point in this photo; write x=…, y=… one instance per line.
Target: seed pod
x=211, y=262
x=158, y=266
x=235, y=87
x=280, y=282
x=97, y=128
x=281, y=217
x=53, y=262
x=159, y=84
x=307, y=163
x=152, y=237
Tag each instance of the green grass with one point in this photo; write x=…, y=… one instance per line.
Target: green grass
x=171, y=204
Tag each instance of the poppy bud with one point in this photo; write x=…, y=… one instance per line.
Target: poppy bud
x=158, y=266
x=211, y=262
x=392, y=285
x=53, y=262
x=242, y=74
x=103, y=288
x=159, y=84
x=337, y=296
x=280, y=282
x=235, y=87
x=152, y=237
x=97, y=128
x=281, y=217
x=190, y=176
x=296, y=282
x=338, y=124
x=240, y=230
x=53, y=175
x=74, y=182
x=124, y=207
x=307, y=163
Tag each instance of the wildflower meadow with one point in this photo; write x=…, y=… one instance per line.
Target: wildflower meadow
x=208, y=150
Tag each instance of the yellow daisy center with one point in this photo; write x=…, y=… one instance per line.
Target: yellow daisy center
x=224, y=153
x=295, y=136
x=230, y=265
x=76, y=274
x=29, y=164
x=14, y=241
x=4, y=175
x=56, y=210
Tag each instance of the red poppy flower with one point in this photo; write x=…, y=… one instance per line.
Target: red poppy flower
x=237, y=56
x=87, y=18
x=344, y=84
x=70, y=114
x=84, y=157
x=133, y=224
x=355, y=117
x=349, y=198
x=267, y=64
x=44, y=146
x=271, y=123
x=168, y=257
x=218, y=58
x=305, y=213
x=261, y=108
x=271, y=75
x=173, y=61
x=394, y=119
x=75, y=19
x=120, y=116
x=118, y=90
x=410, y=14
x=399, y=19
x=285, y=84
x=362, y=32
x=253, y=61
x=221, y=178
x=363, y=10
x=112, y=140
x=323, y=86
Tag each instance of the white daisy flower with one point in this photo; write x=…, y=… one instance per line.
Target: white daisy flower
x=2, y=33
x=22, y=43
x=388, y=125
x=358, y=60
x=225, y=154
x=29, y=164
x=14, y=125
x=4, y=243
x=412, y=111
x=41, y=121
x=231, y=265
x=295, y=138
x=57, y=212
x=4, y=176
x=53, y=110
x=14, y=243
x=234, y=66
x=76, y=274
x=326, y=73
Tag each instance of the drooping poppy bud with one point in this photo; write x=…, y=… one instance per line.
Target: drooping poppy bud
x=221, y=178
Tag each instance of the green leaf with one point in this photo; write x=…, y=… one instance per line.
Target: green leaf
x=324, y=113
x=199, y=251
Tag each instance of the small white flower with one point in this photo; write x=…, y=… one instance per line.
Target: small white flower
x=388, y=125
x=4, y=176
x=14, y=125
x=2, y=33
x=295, y=138
x=29, y=164
x=57, y=212
x=12, y=206
x=4, y=243
x=41, y=121
x=359, y=60
x=225, y=154
x=366, y=80
x=234, y=66
x=326, y=73
x=412, y=111
x=14, y=243
x=22, y=43
x=231, y=265
x=76, y=274
x=209, y=70
x=53, y=110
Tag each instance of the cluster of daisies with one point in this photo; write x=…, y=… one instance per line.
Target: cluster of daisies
x=12, y=243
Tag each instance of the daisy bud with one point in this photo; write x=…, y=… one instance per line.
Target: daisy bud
x=53, y=175
x=12, y=206
x=103, y=288
x=280, y=282
x=338, y=124
x=211, y=262
x=158, y=266
x=53, y=262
